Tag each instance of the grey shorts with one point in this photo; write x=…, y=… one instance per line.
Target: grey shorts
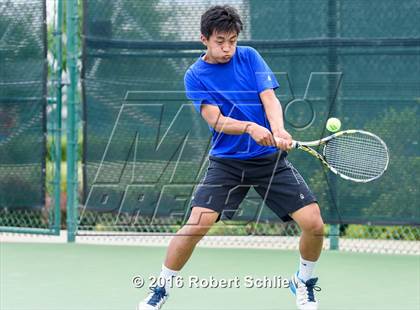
x=227, y=181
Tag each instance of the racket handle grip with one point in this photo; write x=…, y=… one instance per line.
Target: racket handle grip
x=295, y=144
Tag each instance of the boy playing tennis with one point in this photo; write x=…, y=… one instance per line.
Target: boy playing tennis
x=233, y=90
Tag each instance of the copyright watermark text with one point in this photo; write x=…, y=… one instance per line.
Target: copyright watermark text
x=213, y=282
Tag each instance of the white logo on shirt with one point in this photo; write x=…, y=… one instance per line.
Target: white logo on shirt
x=269, y=78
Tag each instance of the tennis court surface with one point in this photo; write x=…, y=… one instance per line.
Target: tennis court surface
x=80, y=276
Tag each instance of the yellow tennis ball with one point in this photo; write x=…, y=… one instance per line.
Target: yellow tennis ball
x=333, y=124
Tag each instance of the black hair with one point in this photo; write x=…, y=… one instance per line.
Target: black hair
x=220, y=19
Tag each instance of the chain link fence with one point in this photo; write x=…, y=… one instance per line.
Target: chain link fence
x=144, y=146
x=355, y=60
x=27, y=201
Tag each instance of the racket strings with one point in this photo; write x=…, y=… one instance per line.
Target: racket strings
x=345, y=156
x=358, y=155
x=357, y=171
x=357, y=161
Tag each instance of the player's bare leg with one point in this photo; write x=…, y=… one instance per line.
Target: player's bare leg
x=302, y=283
x=310, y=222
x=179, y=251
x=183, y=243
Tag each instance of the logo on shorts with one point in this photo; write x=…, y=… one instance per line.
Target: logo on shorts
x=302, y=196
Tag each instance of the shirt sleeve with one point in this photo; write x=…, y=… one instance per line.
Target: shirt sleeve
x=196, y=92
x=264, y=77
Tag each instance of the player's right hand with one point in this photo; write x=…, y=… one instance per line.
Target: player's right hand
x=283, y=140
x=261, y=135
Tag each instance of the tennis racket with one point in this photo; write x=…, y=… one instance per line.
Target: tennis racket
x=354, y=155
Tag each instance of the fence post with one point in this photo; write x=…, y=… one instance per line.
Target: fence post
x=334, y=236
x=332, y=26
x=72, y=55
x=58, y=34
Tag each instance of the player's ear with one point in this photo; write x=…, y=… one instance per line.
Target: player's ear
x=203, y=39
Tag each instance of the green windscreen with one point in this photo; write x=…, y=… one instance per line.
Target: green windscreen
x=23, y=74
x=145, y=146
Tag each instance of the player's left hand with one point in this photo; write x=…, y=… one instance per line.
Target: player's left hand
x=283, y=140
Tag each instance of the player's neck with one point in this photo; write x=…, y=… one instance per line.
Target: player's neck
x=207, y=58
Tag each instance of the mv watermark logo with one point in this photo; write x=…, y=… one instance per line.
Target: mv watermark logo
x=157, y=152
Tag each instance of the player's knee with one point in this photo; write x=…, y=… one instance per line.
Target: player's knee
x=199, y=223
x=309, y=219
x=192, y=234
x=315, y=227
x=313, y=224
x=195, y=230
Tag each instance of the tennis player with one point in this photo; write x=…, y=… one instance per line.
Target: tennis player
x=233, y=90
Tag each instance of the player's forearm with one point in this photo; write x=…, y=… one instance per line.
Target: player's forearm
x=231, y=126
x=274, y=114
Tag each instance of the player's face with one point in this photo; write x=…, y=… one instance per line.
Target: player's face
x=220, y=47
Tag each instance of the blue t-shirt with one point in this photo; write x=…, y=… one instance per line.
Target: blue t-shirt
x=234, y=87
